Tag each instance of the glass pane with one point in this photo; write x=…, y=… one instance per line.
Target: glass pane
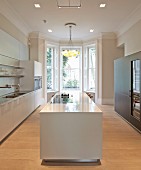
x=71, y=78
x=91, y=57
x=92, y=79
x=49, y=56
x=70, y=62
x=136, y=89
x=56, y=80
x=49, y=78
x=70, y=73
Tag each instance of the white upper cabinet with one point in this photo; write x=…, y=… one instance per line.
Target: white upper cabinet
x=24, y=53
x=10, y=47
x=37, y=69
x=31, y=70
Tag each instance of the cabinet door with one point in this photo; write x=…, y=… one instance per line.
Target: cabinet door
x=122, y=87
x=6, y=119
x=17, y=116
x=30, y=103
x=37, y=68
x=37, y=97
x=19, y=110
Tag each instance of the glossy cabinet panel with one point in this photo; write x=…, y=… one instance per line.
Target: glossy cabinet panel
x=13, y=112
x=127, y=86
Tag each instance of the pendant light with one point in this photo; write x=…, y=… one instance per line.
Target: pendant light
x=70, y=52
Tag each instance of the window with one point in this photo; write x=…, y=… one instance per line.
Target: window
x=91, y=67
x=70, y=73
x=49, y=68
x=52, y=68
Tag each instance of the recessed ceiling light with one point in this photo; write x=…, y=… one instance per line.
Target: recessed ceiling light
x=102, y=5
x=91, y=30
x=59, y=7
x=49, y=30
x=37, y=5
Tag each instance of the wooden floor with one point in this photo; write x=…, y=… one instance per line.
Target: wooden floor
x=121, y=146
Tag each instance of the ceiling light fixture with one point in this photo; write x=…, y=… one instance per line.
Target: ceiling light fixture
x=49, y=30
x=69, y=4
x=71, y=52
x=102, y=5
x=91, y=30
x=37, y=5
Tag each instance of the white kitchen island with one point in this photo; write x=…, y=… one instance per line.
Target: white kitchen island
x=71, y=129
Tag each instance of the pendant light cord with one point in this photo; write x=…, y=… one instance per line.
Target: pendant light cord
x=70, y=31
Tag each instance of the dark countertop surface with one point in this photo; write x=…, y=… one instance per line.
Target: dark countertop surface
x=3, y=99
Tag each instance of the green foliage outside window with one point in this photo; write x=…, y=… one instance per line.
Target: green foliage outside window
x=70, y=83
x=49, y=70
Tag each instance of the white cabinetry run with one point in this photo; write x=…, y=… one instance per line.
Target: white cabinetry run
x=6, y=117
x=38, y=97
x=13, y=112
x=32, y=69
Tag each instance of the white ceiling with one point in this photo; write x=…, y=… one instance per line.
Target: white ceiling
x=89, y=16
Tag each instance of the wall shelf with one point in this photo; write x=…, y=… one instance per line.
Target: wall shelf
x=18, y=76
x=16, y=67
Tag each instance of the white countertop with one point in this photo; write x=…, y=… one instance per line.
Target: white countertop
x=78, y=102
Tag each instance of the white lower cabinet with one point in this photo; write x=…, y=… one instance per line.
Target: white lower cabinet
x=14, y=112
x=38, y=96
x=17, y=115
x=6, y=119
x=31, y=105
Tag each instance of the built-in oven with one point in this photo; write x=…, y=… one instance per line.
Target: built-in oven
x=37, y=82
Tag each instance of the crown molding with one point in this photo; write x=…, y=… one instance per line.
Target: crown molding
x=107, y=35
x=7, y=11
x=39, y=35
x=34, y=34
x=132, y=19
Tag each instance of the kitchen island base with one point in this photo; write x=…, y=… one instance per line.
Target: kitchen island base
x=68, y=134
x=76, y=162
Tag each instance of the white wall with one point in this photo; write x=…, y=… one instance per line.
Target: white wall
x=131, y=39
x=108, y=52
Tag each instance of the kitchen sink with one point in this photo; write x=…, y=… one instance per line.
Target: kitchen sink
x=17, y=94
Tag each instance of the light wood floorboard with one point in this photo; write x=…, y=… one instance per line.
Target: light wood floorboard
x=121, y=146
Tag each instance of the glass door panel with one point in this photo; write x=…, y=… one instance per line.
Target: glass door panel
x=135, y=88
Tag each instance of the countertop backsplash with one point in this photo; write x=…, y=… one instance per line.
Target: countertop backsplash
x=9, y=81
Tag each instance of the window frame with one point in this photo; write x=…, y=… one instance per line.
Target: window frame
x=89, y=68
x=86, y=68
x=54, y=63
x=80, y=65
